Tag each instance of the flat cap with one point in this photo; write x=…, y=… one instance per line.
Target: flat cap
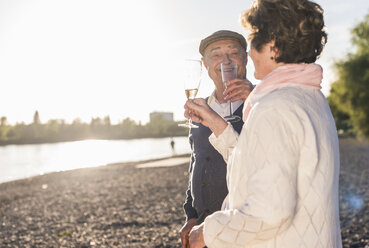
x=222, y=35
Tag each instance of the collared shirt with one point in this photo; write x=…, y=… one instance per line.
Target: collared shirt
x=222, y=109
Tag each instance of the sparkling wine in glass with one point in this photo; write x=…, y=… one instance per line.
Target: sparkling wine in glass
x=192, y=69
x=229, y=72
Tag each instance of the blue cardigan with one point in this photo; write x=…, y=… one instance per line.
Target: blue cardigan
x=207, y=185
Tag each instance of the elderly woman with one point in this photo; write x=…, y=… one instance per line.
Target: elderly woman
x=282, y=170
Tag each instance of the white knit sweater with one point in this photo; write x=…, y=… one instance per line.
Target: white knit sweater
x=282, y=176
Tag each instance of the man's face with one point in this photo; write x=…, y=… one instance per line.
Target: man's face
x=224, y=51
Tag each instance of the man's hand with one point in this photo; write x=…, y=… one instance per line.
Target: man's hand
x=197, y=237
x=237, y=89
x=185, y=230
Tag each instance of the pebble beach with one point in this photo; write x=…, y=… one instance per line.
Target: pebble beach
x=131, y=205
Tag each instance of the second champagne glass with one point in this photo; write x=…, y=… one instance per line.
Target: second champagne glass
x=229, y=72
x=192, y=69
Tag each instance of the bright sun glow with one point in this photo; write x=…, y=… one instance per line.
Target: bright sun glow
x=87, y=58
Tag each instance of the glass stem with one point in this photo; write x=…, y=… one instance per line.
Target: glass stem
x=189, y=122
x=230, y=108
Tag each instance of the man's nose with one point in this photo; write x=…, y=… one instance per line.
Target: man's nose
x=226, y=59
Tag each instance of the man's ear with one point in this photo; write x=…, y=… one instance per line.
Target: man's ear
x=246, y=58
x=204, y=62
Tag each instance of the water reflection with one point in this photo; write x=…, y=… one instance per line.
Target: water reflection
x=20, y=161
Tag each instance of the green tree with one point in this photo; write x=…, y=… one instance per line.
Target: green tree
x=3, y=127
x=158, y=126
x=3, y=121
x=52, y=129
x=349, y=95
x=107, y=121
x=11, y=134
x=127, y=128
x=36, y=118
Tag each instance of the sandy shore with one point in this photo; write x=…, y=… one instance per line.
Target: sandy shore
x=121, y=205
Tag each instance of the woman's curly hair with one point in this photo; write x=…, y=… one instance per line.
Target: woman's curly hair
x=295, y=26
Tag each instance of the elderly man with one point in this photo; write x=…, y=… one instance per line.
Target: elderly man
x=207, y=181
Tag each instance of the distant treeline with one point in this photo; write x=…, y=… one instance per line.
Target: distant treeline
x=98, y=128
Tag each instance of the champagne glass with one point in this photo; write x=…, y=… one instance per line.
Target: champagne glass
x=192, y=69
x=229, y=72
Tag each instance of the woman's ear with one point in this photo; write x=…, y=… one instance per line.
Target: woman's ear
x=273, y=51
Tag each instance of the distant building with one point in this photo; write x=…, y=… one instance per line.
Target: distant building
x=166, y=115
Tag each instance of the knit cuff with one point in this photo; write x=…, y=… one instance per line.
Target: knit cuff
x=225, y=142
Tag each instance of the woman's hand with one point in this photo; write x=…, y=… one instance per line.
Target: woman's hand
x=199, y=111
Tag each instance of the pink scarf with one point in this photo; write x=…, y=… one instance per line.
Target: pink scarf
x=304, y=75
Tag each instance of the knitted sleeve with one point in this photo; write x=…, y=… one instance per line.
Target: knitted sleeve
x=226, y=141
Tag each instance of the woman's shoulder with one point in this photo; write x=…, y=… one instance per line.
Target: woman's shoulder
x=287, y=104
x=287, y=98
x=283, y=97
x=283, y=109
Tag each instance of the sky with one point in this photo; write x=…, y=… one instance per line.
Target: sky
x=94, y=58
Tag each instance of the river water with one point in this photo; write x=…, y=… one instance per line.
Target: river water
x=22, y=161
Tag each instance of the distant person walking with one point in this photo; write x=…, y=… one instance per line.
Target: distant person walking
x=172, y=145
x=283, y=168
